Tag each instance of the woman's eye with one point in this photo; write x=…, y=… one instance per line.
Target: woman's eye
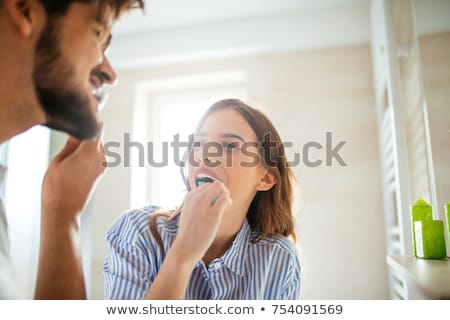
x=230, y=145
x=197, y=144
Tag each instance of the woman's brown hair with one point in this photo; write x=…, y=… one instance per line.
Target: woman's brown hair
x=270, y=212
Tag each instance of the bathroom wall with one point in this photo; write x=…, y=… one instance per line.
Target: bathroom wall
x=306, y=94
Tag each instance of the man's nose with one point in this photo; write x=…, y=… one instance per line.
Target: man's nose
x=106, y=72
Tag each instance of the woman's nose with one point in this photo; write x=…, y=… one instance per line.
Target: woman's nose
x=209, y=153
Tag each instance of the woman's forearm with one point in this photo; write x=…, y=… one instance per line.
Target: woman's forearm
x=173, y=276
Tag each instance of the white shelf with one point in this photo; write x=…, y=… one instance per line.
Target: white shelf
x=430, y=277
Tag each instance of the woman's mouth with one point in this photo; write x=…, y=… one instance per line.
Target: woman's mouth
x=202, y=179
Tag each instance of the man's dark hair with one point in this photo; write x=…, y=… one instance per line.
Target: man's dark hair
x=59, y=7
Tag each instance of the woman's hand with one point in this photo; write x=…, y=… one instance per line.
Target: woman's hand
x=200, y=220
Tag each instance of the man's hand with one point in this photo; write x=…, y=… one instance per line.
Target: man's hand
x=65, y=191
x=71, y=177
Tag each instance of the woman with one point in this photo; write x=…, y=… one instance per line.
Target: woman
x=230, y=237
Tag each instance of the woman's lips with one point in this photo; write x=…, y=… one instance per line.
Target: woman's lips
x=203, y=176
x=202, y=179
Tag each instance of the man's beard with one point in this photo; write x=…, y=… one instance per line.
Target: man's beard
x=66, y=109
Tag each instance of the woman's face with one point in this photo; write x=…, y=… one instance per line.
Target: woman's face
x=225, y=149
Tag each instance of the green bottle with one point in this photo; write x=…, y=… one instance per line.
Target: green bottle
x=430, y=239
x=420, y=211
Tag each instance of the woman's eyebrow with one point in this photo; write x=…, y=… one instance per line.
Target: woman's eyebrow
x=224, y=135
x=232, y=135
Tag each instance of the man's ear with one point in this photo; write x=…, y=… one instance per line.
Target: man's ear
x=266, y=181
x=23, y=14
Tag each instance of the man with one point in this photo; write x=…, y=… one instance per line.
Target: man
x=52, y=68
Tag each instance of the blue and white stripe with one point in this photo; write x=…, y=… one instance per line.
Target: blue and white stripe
x=268, y=269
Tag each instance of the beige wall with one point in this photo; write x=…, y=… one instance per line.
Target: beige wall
x=306, y=94
x=435, y=52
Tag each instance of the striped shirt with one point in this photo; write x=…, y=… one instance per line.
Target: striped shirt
x=268, y=269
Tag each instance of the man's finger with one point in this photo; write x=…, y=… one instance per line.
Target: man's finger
x=71, y=145
x=94, y=144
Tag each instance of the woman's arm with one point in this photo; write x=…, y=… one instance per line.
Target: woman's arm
x=173, y=277
x=133, y=259
x=200, y=219
x=291, y=291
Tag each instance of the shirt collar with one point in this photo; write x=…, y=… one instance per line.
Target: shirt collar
x=235, y=256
